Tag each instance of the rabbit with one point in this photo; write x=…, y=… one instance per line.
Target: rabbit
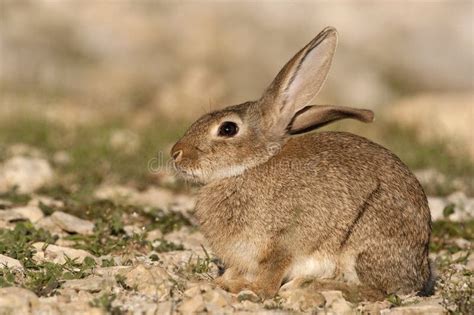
x=279, y=204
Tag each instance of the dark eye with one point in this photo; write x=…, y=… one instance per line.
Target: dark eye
x=228, y=129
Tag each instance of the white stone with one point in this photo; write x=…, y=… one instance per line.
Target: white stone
x=36, y=200
x=10, y=263
x=303, y=300
x=32, y=213
x=192, y=305
x=57, y=254
x=10, y=216
x=130, y=230
x=416, y=309
x=154, y=235
x=336, y=303
x=92, y=284
x=115, y=192
x=149, y=280
x=190, y=240
x=49, y=225
x=72, y=224
x=15, y=300
x=26, y=173
x=463, y=207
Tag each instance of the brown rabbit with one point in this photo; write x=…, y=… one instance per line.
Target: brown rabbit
x=277, y=207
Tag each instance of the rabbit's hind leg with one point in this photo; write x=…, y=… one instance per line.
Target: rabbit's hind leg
x=354, y=293
x=393, y=269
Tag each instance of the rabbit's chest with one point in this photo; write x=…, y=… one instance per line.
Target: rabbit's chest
x=230, y=223
x=228, y=211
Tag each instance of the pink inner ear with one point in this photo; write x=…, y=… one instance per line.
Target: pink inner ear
x=299, y=81
x=310, y=74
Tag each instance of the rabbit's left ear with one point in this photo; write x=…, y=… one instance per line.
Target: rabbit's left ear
x=299, y=81
x=316, y=116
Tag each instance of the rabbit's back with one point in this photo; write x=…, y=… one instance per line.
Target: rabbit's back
x=327, y=181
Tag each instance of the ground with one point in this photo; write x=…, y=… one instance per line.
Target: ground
x=92, y=221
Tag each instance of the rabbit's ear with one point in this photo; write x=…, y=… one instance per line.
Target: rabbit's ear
x=316, y=116
x=299, y=81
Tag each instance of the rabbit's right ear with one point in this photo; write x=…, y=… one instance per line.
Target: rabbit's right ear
x=298, y=82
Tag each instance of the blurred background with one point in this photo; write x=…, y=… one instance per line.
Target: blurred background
x=98, y=88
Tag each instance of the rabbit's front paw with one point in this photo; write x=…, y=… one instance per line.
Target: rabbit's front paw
x=264, y=291
x=232, y=285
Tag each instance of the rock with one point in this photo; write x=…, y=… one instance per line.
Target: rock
x=92, y=284
x=212, y=299
x=117, y=193
x=255, y=308
x=470, y=262
x=422, y=308
x=336, y=303
x=193, y=240
x=372, y=307
x=10, y=216
x=111, y=272
x=164, y=308
x=72, y=224
x=48, y=224
x=10, y=263
x=135, y=303
x=216, y=299
x=192, y=305
x=15, y=300
x=463, y=207
x=26, y=173
x=57, y=254
x=130, y=230
x=430, y=177
x=149, y=280
x=154, y=235
x=47, y=201
x=157, y=197
x=32, y=213
x=247, y=295
x=5, y=203
x=68, y=302
x=462, y=243
x=175, y=259
x=23, y=149
x=303, y=300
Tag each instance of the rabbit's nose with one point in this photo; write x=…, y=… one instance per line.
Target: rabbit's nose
x=177, y=155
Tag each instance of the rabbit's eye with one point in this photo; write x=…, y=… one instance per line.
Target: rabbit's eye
x=228, y=129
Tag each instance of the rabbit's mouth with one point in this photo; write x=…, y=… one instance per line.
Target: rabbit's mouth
x=186, y=173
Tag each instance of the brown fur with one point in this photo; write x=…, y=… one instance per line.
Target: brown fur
x=331, y=205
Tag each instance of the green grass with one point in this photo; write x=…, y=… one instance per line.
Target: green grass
x=109, y=236
x=40, y=277
x=444, y=231
x=105, y=302
x=17, y=243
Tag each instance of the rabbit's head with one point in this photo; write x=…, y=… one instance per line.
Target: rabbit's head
x=225, y=143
